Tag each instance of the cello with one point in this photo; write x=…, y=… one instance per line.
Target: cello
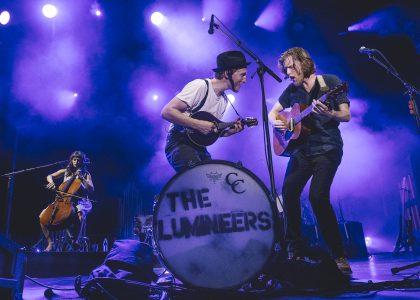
x=60, y=210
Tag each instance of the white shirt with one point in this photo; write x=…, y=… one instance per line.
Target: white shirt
x=194, y=92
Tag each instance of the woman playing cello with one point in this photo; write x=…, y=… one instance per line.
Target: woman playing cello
x=76, y=181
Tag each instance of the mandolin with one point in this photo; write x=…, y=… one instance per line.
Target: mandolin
x=204, y=140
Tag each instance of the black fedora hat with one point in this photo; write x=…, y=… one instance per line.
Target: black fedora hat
x=230, y=60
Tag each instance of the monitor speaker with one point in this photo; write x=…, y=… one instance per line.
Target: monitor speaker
x=12, y=269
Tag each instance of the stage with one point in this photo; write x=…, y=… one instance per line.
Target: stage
x=91, y=92
x=375, y=270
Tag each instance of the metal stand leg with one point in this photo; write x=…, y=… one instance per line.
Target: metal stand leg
x=82, y=239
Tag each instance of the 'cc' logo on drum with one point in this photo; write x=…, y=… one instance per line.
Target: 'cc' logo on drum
x=234, y=182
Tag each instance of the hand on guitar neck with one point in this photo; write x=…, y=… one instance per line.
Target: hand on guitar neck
x=320, y=108
x=236, y=127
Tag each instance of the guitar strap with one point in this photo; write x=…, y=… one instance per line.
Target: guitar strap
x=231, y=104
x=200, y=105
x=322, y=85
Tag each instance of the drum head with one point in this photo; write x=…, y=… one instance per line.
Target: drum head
x=213, y=225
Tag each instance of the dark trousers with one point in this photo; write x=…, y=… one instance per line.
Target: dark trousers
x=181, y=153
x=322, y=168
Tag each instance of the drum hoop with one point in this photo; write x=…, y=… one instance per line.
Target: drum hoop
x=273, y=207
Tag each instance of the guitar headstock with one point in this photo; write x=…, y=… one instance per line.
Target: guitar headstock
x=250, y=121
x=332, y=94
x=341, y=88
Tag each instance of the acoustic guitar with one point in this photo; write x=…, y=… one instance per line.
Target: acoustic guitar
x=204, y=140
x=285, y=142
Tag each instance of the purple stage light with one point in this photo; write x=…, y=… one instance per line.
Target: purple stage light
x=157, y=18
x=369, y=24
x=274, y=15
x=49, y=11
x=4, y=17
x=155, y=97
x=95, y=10
x=66, y=99
x=228, y=11
x=368, y=241
x=383, y=22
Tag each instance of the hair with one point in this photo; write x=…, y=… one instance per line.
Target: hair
x=221, y=74
x=301, y=55
x=83, y=158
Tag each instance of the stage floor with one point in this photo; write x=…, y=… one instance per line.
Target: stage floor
x=376, y=269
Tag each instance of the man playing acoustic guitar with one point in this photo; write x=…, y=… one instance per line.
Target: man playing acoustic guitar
x=315, y=151
x=202, y=96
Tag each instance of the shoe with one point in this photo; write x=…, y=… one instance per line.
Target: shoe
x=343, y=265
x=49, y=248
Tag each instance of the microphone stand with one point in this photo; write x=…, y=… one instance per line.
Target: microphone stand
x=10, y=184
x=411, y=90
x=261, y=70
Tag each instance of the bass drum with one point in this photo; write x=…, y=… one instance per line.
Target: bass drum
x=214, y=225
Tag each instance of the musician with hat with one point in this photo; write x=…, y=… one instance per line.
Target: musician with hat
x=206, y=95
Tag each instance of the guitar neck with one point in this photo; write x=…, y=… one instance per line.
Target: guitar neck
x=308, y=110
x=224, y=125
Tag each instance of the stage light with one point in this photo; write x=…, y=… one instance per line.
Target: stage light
x=155, y=97
x=4, y=17
x=66, y=99
x=382, y=22
x=368, y=241
x=157, y=18
x=274, y=15
x=49, y=11
x=95, y=9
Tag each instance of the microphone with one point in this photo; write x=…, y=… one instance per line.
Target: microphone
x=363, y=49
x=211, y=26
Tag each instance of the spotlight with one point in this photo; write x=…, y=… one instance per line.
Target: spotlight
x=95, y=9
x=4, y=17
x=155, y=97
x=157, y=18
x=49, y=11
x=75, y=95
x=368, y=241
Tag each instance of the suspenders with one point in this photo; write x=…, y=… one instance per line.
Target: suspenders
x=197, y=108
